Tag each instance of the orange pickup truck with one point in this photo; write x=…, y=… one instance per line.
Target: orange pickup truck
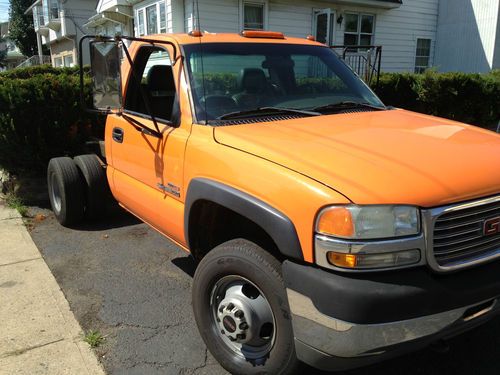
x=329, y=228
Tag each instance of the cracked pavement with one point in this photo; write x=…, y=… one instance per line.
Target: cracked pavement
x=131, y=284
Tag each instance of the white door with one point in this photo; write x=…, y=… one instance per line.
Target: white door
x=323, y=25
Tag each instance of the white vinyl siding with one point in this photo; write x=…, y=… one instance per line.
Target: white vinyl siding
x=395, y=29
x=468, y=36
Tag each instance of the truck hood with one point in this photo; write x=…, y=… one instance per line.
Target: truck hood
x=380, y=157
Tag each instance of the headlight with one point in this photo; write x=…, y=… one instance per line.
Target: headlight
x=368, y=222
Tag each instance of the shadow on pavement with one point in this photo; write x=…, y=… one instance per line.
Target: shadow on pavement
x=186, y=264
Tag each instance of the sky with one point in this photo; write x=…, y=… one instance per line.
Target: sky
x=4, y=10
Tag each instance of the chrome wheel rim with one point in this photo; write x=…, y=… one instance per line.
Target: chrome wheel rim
x=243, y=317
x=55, y=193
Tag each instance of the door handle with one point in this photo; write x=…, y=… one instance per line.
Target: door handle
x=118, y=135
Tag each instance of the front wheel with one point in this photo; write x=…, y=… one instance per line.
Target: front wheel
x=241, y=309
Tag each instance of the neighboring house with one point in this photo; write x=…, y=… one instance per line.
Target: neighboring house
x=113, y=17
x=468, y=35
x=60, y=25
x=14, y=56
x=415, y=34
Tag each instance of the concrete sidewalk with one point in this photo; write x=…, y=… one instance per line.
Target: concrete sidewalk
x=38, y=332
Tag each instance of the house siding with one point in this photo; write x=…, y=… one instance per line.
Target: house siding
x=396, y=29
x=468, y=36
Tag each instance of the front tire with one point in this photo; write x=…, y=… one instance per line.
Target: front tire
x=65, y=190
x=242, y=311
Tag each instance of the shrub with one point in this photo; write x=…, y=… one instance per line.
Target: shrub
x=41, y=117
x=465, y=97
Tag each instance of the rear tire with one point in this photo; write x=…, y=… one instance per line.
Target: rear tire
x=241, y=309
x=96, y=185
x=65, y=190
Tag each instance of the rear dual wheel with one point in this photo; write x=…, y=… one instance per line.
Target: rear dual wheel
x=241, y=309
x=77, y=188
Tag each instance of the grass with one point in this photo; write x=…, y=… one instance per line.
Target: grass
x=94, y=339
x=15, y=202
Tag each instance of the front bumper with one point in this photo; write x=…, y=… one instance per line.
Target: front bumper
x=346, y=321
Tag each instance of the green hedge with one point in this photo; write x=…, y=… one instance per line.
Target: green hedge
x=40, y=114
x=41, y=117
x=465, y=97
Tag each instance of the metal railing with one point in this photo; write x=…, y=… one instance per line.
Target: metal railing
x=35, y=60
x=364, y=60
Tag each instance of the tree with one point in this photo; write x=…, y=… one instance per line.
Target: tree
x=21, y=30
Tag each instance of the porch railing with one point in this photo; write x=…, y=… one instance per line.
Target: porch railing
x=364, y=60
x=35, y=60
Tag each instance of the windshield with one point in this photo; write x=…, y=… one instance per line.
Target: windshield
x=229, y=78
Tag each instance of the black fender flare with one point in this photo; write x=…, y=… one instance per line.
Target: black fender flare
x=277, y=225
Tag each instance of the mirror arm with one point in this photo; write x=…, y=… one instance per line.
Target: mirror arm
x=143, y=93
x=139, y=126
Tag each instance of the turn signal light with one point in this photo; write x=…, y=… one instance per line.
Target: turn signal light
x=336, y=221
x=373, y=261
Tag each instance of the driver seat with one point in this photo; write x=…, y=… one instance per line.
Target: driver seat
x=254, y=88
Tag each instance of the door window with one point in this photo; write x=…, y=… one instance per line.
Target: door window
x=323, y=26
x=153, y=67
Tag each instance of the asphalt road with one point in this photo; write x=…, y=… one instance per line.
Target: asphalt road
x=126, y=281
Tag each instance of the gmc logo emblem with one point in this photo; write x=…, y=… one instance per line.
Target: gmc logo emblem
x=492, y=226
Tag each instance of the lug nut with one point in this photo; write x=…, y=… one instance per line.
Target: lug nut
x=221, y=308
x=222, y=331
x=218, y=320
x=230, y=306
x=243, y=326
x=241, y=336
x=239, y=314
x=231, y=338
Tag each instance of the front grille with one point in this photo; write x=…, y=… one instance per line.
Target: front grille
x=459, y=235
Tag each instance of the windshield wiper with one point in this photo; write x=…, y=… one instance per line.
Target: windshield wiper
x=265, y=110
x=346, y=105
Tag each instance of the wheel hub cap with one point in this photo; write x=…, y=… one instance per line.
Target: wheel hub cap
x=243, y=316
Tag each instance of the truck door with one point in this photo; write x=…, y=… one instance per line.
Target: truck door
x=147, y=169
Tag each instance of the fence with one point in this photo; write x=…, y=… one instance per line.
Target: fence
x=364, y=60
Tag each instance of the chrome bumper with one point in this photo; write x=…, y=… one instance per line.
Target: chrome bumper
x=334, y=337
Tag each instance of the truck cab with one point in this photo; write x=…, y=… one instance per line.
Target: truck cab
x=329, y=228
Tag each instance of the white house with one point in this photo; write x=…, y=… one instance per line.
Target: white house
x=415, y=34
x=60, y=24
x=13, y=55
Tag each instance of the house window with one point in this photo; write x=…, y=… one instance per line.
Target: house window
x=151, y=19
x=358, y=29
x=422, y=55
x=140, y=22
x=58, y=62
x=54, y=9
x=253, y=16
x=68, y=60
x=163, y=19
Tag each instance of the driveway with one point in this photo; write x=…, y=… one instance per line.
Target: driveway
x=131, y=284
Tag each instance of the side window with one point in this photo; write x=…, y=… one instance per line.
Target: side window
x=154, y=69
x=422, y=55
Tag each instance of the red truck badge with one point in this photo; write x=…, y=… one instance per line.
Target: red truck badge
x=492, y=226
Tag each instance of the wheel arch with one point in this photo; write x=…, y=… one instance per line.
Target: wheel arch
x=275, y=226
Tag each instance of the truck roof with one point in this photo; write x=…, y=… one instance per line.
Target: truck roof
x=257, y=37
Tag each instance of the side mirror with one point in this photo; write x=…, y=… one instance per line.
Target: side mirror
x=105, y=64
